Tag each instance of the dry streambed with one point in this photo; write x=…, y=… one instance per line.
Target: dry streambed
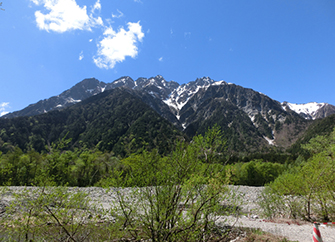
x=296, y=231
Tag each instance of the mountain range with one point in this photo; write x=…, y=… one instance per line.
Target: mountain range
x=173, y=94
x=111, y=115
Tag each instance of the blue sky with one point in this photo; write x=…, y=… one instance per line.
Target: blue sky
x=282, y=48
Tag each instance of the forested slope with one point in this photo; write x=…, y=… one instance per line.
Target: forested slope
x=114, y=120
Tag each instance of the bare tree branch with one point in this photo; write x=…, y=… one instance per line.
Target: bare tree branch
x=59, y=223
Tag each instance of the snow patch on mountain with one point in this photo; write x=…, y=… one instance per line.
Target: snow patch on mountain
x=71, y=100
x=170, y=103
x=308, y=110
x=182, y=94
x=270, y=141
x=218, y=83
x=122, y=80
x=252, y=118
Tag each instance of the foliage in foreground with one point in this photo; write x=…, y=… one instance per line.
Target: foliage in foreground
x=178, y=197
x=174, y=198
x=79, y=167
x=59, y=214
x=54, y=214
x=307, y=190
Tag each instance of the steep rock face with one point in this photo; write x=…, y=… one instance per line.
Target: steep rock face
x=242, y=112
x=248, y=100
x=239, y=131
x=159, y=106
x=325, y=111
x=156, y=86
x=182, y=94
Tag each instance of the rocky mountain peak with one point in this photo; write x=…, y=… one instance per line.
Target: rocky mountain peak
x=156, y=86
x=182, y=94
x=203, y=81
x=88, y=83
x=124, y=81
x=311, y=110
x=84, y=89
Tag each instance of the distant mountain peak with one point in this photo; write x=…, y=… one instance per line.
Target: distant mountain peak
x=311, y=110
x=82, y=90
x=124, y=81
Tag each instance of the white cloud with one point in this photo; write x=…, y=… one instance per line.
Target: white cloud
x=37, y=2
x=97, y=6
x=116, y=46
x=161, y=59
x=3, y=106
x=65, y=15
x=81, y=55
x=117, y=15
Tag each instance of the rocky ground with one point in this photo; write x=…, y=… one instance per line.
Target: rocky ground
x=293, y=230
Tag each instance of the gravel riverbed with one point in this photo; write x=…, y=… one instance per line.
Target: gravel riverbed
x=292, y=231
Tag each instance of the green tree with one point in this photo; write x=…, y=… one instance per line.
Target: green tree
x=254, y=173
x=308, y=188
x=175, y=198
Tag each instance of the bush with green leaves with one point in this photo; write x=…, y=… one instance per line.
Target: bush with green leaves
x=253, y=173
x=40, y=213
x=54, y=214
x=307, y=189
x=173, y=198
x=78, y=167
x=178, y=197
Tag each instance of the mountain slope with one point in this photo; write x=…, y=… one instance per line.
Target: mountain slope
x=250, y=120
x=239, y=131
x=114, y=120
x=77, y=93
x=255, y=119
x=319, y=127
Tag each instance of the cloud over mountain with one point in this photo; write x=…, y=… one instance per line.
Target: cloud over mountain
x=116, y=46
x=65, y=15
